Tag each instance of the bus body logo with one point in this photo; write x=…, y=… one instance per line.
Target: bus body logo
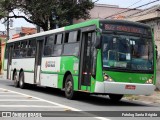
x=50, y=64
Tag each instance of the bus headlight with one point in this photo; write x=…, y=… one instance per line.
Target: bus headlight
x=108, y=78
x=149, y=81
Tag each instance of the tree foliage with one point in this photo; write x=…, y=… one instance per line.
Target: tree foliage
x=47, y=13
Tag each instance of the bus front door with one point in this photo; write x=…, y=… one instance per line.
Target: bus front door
x=86, y=59
x=38, y=60
x=9, y=65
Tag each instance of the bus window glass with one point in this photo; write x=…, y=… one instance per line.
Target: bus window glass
x=47, y=50
x=59, y=39
x=127, y=52
x=71, y=49
x=32, y=48
x=49, y=42
x=57, y=49
x=66, y=37
x=23, y=50
x=72, y=36
x=16, y=53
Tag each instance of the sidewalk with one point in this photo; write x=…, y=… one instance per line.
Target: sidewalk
x=154, y=98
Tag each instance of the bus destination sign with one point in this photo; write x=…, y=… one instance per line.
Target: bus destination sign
x=124, y=28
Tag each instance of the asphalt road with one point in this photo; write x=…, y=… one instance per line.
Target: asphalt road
x=49, y=99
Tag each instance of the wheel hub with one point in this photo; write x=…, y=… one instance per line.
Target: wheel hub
x=69, y=87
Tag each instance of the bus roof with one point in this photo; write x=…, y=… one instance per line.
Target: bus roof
x=83, y=24
x=126, y=22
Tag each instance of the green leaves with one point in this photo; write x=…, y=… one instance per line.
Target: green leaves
x=45, y=13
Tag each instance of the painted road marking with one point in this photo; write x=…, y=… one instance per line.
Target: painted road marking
x=18, y=100
x=5, y=92
x=36, y=106
x=12, y=96
x=54, y=103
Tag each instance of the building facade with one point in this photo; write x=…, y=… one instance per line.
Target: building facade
x=102, y=11
x=2, y=48
x=21, y=31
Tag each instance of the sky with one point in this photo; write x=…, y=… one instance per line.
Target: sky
x=121, y=3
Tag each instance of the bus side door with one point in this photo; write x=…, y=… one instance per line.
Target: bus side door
x=38, y=59
x=86, y=56
x=9, y=64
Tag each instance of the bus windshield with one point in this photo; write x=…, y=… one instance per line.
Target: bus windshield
x=127, y=52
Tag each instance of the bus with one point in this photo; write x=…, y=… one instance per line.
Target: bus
x=110, y=57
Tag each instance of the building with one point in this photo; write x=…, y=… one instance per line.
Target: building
x=2, y=48
x=102, y=11
x=21, y=31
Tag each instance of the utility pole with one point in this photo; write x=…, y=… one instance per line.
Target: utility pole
x=7, y=28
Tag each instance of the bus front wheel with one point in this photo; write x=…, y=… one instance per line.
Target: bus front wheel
x=15, y=79
x=69, y=88
x=115, y=97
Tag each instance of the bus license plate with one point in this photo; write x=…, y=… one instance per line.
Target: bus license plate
x=130, y=87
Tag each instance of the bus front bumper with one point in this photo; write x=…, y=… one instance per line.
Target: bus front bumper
x=124, y=88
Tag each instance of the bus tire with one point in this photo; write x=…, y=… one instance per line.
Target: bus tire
x=15, y=79
x=21, y=80
x=115, y=97
x=69, y=88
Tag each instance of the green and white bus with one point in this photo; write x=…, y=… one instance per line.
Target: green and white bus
x=111, y=57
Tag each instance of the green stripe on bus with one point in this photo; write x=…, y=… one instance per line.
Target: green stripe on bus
x=83, y=24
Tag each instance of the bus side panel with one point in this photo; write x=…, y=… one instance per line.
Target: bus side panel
x=27, y=65
x=69, y=64
x=50, y=69
x=75, y=81
x=99, y=72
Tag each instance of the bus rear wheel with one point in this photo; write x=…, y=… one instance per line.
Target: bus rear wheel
x=69, y=88
x=15, y=79
x=21, y=80
x=115, y=97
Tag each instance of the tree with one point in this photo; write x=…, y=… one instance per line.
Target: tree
x=48, y=13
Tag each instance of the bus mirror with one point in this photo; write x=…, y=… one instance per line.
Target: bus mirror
x=97, y=42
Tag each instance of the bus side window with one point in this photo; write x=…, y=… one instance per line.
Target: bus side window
x=23, y=50
x=49, y=42
x=57, y=48
x=72, y=46
x=16, y=53
x=59, y=39
x=31, y=48
x=72, y=36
